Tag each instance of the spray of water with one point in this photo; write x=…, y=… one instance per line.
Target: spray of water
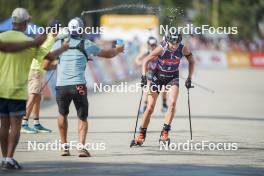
x=173, y=12
x=152, y=9
x=148, y=8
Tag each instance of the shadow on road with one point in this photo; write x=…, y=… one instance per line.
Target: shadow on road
x=134, y=169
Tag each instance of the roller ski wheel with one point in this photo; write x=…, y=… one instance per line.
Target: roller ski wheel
x=139, y=140
x=164, y=138
x=132, y=143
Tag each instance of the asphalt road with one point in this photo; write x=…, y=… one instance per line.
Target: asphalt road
x=233, y=114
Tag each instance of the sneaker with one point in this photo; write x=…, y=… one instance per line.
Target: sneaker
x=9, y=166
x=84, y=153
x=39, y=128
x=65, y=152
x=26, y=129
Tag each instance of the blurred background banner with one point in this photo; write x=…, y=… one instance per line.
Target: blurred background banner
x=129, y=27
x=238, y=59
x=211, y=59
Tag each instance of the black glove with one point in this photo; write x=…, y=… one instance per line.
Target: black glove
x=188, y=83
x=143, y=80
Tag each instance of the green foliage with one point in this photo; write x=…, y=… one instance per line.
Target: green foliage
x=241, y=13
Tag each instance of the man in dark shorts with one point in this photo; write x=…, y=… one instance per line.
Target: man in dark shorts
x=14, y=69
x=71, y=83
x=168, y=54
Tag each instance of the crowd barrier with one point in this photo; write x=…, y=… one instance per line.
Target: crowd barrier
x=220, y=59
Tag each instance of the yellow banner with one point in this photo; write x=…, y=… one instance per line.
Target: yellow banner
x=129, y=21
x=238, y=59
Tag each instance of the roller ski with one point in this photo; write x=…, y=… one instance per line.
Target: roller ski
x=164, y=135
x=140, y=139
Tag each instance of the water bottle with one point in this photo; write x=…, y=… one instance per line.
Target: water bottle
x=119, y=43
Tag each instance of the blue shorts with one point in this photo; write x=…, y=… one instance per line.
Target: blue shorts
x=12, y=108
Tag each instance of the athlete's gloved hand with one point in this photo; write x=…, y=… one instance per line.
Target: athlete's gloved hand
x=188, y=83
x=143, y=80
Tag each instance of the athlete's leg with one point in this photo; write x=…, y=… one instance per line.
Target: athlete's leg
x=152, y=98
x=145, y=99
x=173, y=96
x=164, y=101
x=164, y=97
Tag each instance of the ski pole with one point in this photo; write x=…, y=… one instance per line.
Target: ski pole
x=135, y=131
x=189, y=110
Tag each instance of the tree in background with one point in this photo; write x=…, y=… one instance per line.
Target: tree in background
x=245, y=14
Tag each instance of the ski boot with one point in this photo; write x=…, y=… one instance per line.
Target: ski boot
x=164, y=135
x=139, y=140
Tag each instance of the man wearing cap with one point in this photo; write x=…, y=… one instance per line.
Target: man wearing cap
x=35, y=85
x=14, y=69
x=71, y=83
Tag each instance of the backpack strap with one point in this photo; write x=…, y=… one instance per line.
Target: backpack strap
x=81, y=48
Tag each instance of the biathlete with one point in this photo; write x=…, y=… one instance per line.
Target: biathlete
x=168, y=56
x=152, y=44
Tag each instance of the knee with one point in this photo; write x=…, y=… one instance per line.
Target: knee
x=62, y=120
x=84, y=121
